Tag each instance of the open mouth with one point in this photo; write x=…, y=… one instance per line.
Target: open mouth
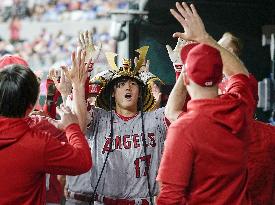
x=128, y=96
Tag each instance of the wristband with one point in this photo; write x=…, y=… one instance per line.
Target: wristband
x=177, y=67
x=90, y=66
x=94, y=88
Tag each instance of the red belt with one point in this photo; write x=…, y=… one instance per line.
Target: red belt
x=81, y=197
x=106, y=200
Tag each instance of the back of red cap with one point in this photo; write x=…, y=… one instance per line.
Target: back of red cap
x=204, y=65
x=185, y=50
x=12, y=59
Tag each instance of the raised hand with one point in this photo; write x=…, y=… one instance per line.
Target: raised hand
x=174, y=55
x=79, y=70
x=67, y=118
x=86, y=43
x=64, y=86
x=188, y=17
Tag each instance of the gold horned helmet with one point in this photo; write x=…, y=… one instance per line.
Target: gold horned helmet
x=126, y=69
x=105, y=79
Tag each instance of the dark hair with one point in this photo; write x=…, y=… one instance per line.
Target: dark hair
x=19, y=89
x=114, y=83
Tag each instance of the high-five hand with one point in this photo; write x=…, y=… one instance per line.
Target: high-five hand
x=67, y=117
x=79, y=71
x=188, y=17
x=174, y=55
x=86, y=43
x=64, y=86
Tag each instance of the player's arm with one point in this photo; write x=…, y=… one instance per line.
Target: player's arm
x=72, y=158
x=63, y=85
x=78, y=75
x=176, y=100
x=194, y=30
x=178, y=94
x=82, y=63
x=170, y=194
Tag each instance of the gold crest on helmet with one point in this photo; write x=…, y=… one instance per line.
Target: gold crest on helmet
x=126, y=69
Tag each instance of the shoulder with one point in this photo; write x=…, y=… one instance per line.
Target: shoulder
x=98, y=111
x=157, y=117
x=241, y=83
x=179, y=134
x=245, y=87
x=157, y=112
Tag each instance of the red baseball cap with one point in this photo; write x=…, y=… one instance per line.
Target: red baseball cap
x=12, y=59
x=185, y=50
x=203, y=64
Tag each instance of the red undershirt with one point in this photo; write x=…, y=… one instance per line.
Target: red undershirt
x=126, y=118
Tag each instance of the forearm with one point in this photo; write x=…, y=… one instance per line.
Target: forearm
x=231, y=63
x=176, y=100
x=77, y=139
x=79, y=105
x=72, y=158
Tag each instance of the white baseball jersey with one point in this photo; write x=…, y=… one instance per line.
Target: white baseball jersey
x=124, y=175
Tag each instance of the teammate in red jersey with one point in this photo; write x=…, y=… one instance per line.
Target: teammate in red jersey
x=199, y=165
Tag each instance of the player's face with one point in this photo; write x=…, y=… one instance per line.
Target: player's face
x=126, y=94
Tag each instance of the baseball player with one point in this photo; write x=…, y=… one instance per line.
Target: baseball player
x=126, y=137
x=261, y=166
x=42, y=152
x=212, y=127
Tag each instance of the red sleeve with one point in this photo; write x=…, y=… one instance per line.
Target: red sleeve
x=254, y=87
x=243, y=85
x=41, y=123
x=176, y=163
x=170, y=194
x=72, y=158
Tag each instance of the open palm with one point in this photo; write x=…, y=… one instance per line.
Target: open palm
x=79, y=70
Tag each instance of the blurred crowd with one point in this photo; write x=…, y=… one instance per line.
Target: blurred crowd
x=58, y=10
x=49, y=50
x=52, y=49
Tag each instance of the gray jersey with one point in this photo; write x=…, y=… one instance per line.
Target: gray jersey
x=124, y=175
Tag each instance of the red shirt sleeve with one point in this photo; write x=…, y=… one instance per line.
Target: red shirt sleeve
x=170, y=194
x=41, y=123
x=244, y=86
x=254, y=87
x=72, y=158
